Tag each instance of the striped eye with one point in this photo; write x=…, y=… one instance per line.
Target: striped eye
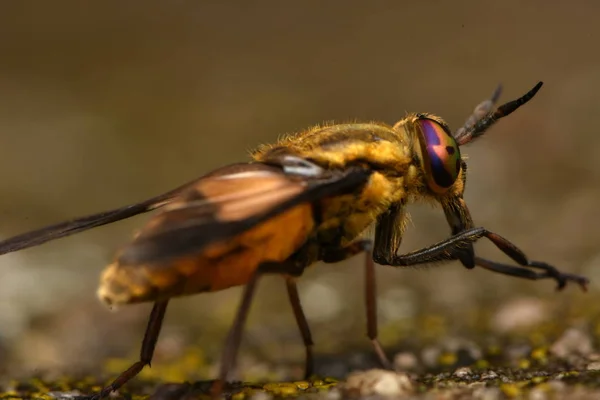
x=441, y=156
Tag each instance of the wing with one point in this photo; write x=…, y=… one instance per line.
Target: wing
x=67, y=228
x=210, y=208
x=231, y=201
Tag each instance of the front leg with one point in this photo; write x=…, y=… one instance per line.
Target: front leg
x=336, y=254
x=459, y=218
x=454, y=247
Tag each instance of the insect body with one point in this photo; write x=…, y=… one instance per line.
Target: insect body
x=305, y=199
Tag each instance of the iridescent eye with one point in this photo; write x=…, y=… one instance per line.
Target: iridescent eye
x=441, y=156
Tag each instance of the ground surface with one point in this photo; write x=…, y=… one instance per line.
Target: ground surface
x=518, y=366
x=555, y=382
x=103, y=105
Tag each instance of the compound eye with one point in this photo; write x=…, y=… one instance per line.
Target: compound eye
x=441, y=156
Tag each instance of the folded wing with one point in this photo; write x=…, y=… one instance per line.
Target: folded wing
x=217, y=232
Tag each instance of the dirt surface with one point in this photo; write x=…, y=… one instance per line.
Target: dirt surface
x=541, y=361
x=538, y=377
x=103, y=104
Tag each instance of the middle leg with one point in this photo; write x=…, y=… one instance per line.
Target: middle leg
x=339, y=254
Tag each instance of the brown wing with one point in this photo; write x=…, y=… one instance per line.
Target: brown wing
x=67, y=228
x=230, y=201
x=144, y=249
x=221, y=229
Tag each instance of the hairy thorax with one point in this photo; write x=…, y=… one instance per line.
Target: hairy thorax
x=378, y=147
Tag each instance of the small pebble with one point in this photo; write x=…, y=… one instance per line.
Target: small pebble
x=405, y=361
x=573, y=341
x=379, y=382
x=430, y=356
x=593, y=366
x=462, y=372
x=65, y=395
x=334, y=394
x=520, y=314
x=489, y=375
x=537, y=394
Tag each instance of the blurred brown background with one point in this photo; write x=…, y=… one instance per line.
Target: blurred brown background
x=106, y=103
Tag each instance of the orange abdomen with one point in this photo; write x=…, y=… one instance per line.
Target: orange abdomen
x=219, y=266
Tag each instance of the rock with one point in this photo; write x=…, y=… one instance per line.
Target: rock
x=593, y=366
x=572, y=342
x=462, y=372
x=430, y=356
x=406, y=361
x=520, y=314
x=379, y=382
x=537, y=394
x=489, y=375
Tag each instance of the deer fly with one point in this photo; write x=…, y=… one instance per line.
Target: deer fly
x=307, y=198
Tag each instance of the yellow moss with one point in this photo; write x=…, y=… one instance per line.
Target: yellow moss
x=544, y=386
x=433, y=326
x=538, y=379
x=326, y=387
x=524, y=363
x=537, y=338
x=288, y=390
x=271, y=386
x=40, y=385
x=447, y=358
x=494, y=350
x=540, y=355
x=324, y=384
x=302, y=385
x=238, y=396
x=510, y=390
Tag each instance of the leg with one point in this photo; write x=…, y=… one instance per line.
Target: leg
x=337, y=255
x=148, y=345
x=234, y=337
x=453, y=247
x=292, y=290
x=548, y=271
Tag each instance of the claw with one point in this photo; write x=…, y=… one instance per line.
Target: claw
x=583, y=283
x=580, y=280
x=563, y=279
